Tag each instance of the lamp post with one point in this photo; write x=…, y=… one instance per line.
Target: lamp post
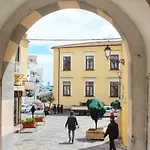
x=107, y=51
x=119, y=73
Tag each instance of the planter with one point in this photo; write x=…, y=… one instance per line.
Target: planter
x=95, y=134
x=29, y=125
x=40, y=119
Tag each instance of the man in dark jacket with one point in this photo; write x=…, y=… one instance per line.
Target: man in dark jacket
x=54, y=108
x=33, y=110
x=113, y=132
x=72, y=125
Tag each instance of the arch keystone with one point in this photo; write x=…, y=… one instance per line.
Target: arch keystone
x=68, y=4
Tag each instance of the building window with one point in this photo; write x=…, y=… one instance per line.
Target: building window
x=89, y=62
x=89, y=89
x=113, y=89
x=66, y=63
x=114, y=65
x=66, y=88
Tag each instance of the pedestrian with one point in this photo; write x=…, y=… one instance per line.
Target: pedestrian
x=112, y=113
x=112, y=131
x=58, y=108
x=46, y=110
x=72, y=125
x=61, y=109
x=33, y=110
x=54, y=108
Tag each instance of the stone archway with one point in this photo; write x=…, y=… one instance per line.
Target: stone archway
x=31, y=11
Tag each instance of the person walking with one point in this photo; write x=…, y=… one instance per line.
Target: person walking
x=54, y=108
x=112, y=131
x=61, y=109
x=46, y=111
x=72, y=125
x=33, y=110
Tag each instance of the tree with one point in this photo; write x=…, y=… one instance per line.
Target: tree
x=48, y=99
x=116, y=104
x=96, y=109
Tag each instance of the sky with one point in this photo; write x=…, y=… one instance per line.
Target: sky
x=65, y=24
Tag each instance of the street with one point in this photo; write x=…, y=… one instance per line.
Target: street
x=53, y=136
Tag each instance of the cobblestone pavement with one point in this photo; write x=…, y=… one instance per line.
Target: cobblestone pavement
x=53, y=136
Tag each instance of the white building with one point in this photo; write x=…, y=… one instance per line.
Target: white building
x=35, y=72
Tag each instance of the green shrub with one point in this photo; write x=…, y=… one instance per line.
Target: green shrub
x=27, y=120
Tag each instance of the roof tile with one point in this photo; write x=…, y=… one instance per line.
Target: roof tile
x=90, y=44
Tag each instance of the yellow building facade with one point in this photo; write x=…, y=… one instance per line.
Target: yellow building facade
x=71, y=83
x=89, y=73
x=20, y=76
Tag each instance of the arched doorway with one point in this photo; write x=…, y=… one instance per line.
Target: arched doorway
x=29, y=13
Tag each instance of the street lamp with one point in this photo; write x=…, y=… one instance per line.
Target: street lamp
x=119, y=73
x=107, y=51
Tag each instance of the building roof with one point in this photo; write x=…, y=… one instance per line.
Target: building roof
x=32, y=56
x=90, y=44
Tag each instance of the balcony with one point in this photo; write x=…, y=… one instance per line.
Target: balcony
x=19, y=68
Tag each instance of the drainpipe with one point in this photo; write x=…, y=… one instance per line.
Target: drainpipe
x=58, y=76
x=147, y=105
x=119, y=88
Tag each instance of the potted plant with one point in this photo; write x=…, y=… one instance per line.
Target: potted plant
x=39, y=118
x=96, y=110
x=28, y=123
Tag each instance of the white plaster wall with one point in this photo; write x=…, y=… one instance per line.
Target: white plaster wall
x=139, y=12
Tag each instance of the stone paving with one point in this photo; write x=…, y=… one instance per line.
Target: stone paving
x=53, y=136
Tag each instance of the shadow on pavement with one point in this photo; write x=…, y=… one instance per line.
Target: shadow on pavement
x=105, y=146
x=26, y=132
x=89, y=141
x=65, y=143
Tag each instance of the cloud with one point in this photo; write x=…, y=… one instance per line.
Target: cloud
x=107, y=30
x=68, y=23
x=65, y=24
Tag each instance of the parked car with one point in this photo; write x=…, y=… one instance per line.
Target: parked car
x=23, y=109
x=35, y=105
x=26, y=108
x=109, y=109
x=40, y=107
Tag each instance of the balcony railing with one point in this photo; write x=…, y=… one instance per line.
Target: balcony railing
x=19, y=67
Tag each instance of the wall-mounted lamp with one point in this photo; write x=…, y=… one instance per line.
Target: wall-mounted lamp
x=107, y=51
